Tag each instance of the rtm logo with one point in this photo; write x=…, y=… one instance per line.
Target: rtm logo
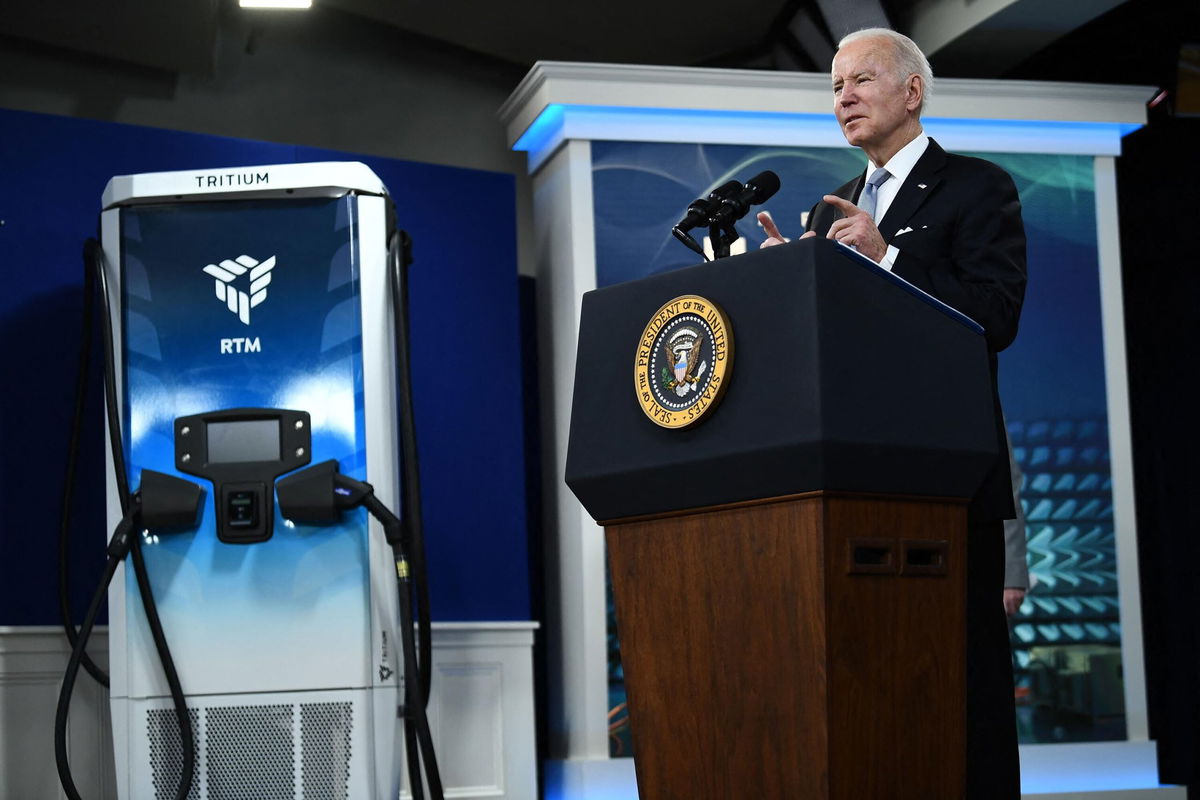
x=241, y=301
x=241, y=345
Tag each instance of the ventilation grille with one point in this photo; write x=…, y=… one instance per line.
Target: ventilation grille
x=325, y=739
x=166, y=752
x=250, y=747
x=250, y=751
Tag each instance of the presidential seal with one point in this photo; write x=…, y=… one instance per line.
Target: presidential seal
x=683, y=361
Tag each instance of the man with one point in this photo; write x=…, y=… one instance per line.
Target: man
x=950, y=225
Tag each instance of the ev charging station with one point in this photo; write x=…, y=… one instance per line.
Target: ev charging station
x=253, y=331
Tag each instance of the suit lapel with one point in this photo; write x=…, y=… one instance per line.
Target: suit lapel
x=920, y=185
x=825, y=215
x=854, y=189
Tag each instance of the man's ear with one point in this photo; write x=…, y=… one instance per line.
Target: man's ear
x=914, y=92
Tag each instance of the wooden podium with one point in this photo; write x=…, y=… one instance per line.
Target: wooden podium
x=789, y=572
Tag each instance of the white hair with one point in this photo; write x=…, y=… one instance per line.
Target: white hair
x=907, y=58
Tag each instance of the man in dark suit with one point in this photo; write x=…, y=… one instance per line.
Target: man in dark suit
x=950, y=225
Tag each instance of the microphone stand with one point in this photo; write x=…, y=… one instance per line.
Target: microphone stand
x=722, y=235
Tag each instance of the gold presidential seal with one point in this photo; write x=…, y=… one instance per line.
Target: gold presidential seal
x=683, y=361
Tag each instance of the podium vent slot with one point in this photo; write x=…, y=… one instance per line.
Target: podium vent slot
x=871, y=556
x=925, y=557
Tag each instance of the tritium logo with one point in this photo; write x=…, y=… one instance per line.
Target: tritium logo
x=240, y=301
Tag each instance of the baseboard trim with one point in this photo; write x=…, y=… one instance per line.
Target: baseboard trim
x=481, y=712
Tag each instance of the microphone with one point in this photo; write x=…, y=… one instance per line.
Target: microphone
x=757, y=190
x=699, y=211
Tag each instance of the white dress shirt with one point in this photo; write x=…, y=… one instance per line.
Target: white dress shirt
x=899, y=166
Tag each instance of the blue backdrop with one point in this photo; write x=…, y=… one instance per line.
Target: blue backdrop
x=464, y=292
x=1056, y=366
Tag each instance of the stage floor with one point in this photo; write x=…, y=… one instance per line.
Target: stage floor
x=1090, y=771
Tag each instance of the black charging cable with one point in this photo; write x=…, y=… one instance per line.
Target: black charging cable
x=318, y=495
x=83, y=373
x=416, y=717
x=118, y=548
x=96, y=279
x=400, y=258
x=164, y=502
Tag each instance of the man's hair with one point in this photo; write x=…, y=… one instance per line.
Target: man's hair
x=907, y=58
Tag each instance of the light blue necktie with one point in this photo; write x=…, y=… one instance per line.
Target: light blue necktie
x=870, y=193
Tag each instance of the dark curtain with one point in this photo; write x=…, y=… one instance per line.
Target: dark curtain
x=1159, y=188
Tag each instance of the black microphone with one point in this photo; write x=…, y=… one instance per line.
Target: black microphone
x=757, y=190
x=700, y=210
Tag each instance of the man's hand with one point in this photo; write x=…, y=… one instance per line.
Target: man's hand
x=774, y=237
x=856, y=229
x=1013, y=599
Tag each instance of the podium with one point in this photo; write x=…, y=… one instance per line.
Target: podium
x=789, y=571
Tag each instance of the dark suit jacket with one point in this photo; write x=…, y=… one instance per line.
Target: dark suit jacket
x=966, y=247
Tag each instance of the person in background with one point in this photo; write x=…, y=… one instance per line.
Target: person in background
x=1016, y=566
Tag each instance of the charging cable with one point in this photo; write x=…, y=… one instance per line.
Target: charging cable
x=164, y=502
x=318, y=495
x=157, y=497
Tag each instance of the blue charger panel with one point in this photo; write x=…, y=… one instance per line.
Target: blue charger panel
x=188, y=352
x=250, y=304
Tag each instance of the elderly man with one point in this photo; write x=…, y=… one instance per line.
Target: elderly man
x=950, y=225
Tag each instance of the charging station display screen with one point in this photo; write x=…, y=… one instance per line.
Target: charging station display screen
x=245, y=440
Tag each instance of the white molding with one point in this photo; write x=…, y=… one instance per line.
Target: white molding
x=1120, y=443
x=1094, y=771
x=1087, y=771
x=482, y=699
x=32, y=662
x=636, y=86
x=644, y=103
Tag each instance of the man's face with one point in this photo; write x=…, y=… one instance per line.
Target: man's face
x=871, y=105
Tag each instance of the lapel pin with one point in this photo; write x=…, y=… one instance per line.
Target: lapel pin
x=920, y=186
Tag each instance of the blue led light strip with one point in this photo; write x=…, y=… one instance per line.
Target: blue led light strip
x=559, y=122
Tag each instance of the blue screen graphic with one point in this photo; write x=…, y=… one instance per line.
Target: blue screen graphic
x=248, y=304
x=188, y=353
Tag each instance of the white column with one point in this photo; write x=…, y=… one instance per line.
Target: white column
x=1112, y=313
x=575, y=609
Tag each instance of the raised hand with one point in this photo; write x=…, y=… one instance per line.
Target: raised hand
x=767, y=222
x=856, y=229
x=774, y=237
x=1013, y=598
